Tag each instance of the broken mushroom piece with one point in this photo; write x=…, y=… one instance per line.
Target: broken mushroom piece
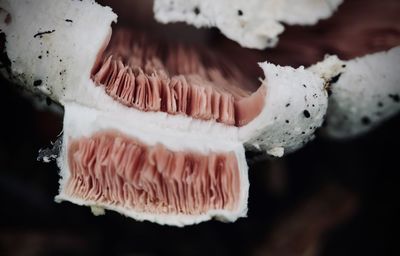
x=122, y=97
x=251, y=23
x=111, y=162
x=366, y=94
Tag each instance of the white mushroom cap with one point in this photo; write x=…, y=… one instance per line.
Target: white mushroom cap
x=53, y=45
x=366, y=94
x=251, y=23
x=295, y=106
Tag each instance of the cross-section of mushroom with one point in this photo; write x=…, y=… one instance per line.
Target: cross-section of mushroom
x=155, y=130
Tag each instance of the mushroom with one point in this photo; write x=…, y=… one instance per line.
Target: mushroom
x=158, y=131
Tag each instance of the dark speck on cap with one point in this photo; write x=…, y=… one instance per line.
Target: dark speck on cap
x=37, y=82
x=306, y=113
x=365, y=120
x=395, y=97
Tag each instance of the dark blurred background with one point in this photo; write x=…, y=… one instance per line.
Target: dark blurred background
x=329, y=198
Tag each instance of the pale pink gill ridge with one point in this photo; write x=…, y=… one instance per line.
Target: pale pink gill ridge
x=112, y=169
x=177, y=80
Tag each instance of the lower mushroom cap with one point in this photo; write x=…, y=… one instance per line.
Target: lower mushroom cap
x=169, y=179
